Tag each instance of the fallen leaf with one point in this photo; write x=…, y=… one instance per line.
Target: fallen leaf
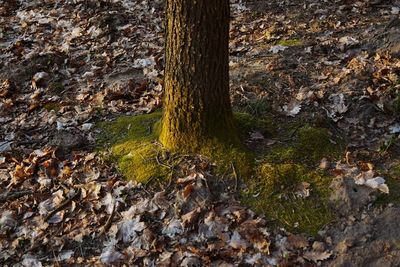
x=173, y=228
x=5, y=146
x=277, y=48
x=316, y=256
x=237, y=242
x=130, y=229
x=66, y=255
x=297, y=241
x=190, y=217
x=111, y=256
x=30, y=261
x=292, y=108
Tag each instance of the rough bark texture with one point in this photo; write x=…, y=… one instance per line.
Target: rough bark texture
x=197, y=105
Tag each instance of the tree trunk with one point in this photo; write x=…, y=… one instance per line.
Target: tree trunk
x=197, y=106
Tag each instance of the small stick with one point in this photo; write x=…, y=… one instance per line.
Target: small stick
x=292, y=134
x=62, y=205
x=161, y=163
x=235, y=176
x=109, y=221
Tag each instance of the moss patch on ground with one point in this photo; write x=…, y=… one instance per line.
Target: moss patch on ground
x=132, y=144
x=246, y=123
x=236, y=157
x=280, y=191
x=310, y=146
x=287, y=173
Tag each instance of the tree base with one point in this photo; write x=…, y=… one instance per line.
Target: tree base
x=132, y=142
x=271, y=185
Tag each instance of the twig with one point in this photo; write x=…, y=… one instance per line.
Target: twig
x=293, y=133
x=13, y=195
x=162, y=163
x=63, y=205
x=109, y=221
x=235, y=176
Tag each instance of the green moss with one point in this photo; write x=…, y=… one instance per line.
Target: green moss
x=131, y=140
x=52, y=106
x=289, y=42
x=246, y=123
x=141, y=161
x=272, y=187
x=229, y=158
x=310, y=146
x=258, y=108
x=235, y=157
x=128, y=128
x=132, y=143
x=276, y=192
x=275, y=189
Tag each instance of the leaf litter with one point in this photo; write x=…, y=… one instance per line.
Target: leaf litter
x=65, y=64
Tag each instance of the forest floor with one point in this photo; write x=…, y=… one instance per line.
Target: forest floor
x=67, y=65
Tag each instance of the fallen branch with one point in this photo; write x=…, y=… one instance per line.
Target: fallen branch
x=63, y=205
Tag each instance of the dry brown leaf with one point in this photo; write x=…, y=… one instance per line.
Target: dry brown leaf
x=297, y=241
x=190, y=217
x=316, y=256
x=237, y=242
x=187, y=190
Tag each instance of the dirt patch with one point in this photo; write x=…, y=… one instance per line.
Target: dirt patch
x=370, y=240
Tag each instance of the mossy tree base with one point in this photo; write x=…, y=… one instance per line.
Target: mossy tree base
x=273, y=184
x=132, y=141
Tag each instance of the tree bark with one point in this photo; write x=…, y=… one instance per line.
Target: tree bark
x=197, y=106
